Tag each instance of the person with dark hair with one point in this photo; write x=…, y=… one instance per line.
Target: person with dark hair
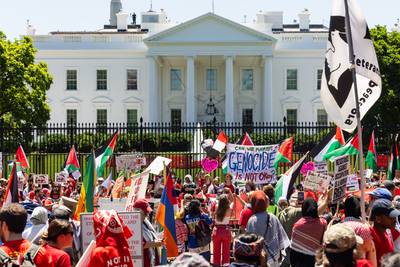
x=307, y=235
x=391, y=260
x=59, y=236
x=197, y=222
x=248, y=251
x=13, y=219
x=228, y=183
x=270, y=192
x=221, y=235
x=352, y=212
x=268, y=226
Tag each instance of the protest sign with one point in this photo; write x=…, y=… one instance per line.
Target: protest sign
x=368, y=173
x=85, y=258
x=132, y=219
x=252, y=163
x=137, y=190
x=40, y=179
x=130, y=162
x=61, y=177
x=321, y=167
x=157, y=165
x=352, y=183
x=342, y=166
x=316, y=182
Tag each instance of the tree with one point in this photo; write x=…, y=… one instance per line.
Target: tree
x=23, y=84
x=386, y=111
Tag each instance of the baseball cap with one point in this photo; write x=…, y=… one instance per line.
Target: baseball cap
x=143, y=205
x=381, y=193
x=340, y=238
x=384, y=207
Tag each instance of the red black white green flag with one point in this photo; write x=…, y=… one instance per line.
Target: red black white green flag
x=12, y=187
x=21, y=158
x=285, y=152
x=103, y=153
x=72, y=164
x=371, y=159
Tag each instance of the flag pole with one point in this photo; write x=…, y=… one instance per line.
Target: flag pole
x=359, y=131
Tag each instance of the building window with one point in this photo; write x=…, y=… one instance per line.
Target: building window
x=322, y=117
x=176, y=116
x=131, y=117
x=101, y=79
x=176, y=79
x=247, y=116
x=211, y=79
x=131, y=80
x=291, y=79
x=72, y=117
x=291, y=116
x=72, y=80
x=247, y=79
x=102, y=116
x=319, y=76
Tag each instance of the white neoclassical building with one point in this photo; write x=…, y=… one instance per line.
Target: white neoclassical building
x=203, y=68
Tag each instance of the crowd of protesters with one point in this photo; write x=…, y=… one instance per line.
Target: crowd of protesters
x=305, y=230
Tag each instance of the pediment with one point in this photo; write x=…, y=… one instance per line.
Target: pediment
x=132, y=100
x=102, y=99
x=70, y=100
x=290, y=99
x=209, y=28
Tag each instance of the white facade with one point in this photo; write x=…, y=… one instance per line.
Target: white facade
x=180, y=56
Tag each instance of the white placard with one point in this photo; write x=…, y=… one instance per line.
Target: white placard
x=321, y=167
x=85, y=258
x=157, y=165
x=130, y=162
x=342, y=166
x=138, y=189
x=40, y=179
x=61, y=177
x=132, y=219
x=316, y=182
x=368, y=173
x=352, y=182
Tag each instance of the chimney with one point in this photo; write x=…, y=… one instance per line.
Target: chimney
x=115, y=7
x=304, y=20
x=30, y=30
x=274, y=18
x=122, y=21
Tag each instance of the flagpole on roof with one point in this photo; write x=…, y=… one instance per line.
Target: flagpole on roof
x=358, y=117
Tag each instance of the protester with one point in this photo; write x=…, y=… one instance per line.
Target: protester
x=270, y=192
x=391, y=260
x=188, y=259
x=38, y=219
x=188, y=185
x=389, y=185
x=228, y=183
x=59, y=236
x=221, y=235
x=248, y=251
x=307, y=235
x=269, y=227
x=214, y=187
x=12, y=223
x=112, y=249
x=245, y=215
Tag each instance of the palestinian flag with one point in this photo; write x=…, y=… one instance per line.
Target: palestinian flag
x=393, y=161
x=103, y=153
x=285, y=152
x=21, y=158
x=72, y=164
x=11, y=195
x=332, y=141
x=244, y=141
x=85, y=203
x=351, y=148
x=371, y=158
x=286, y=182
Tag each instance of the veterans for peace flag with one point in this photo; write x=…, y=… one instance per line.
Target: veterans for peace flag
x=337, y=86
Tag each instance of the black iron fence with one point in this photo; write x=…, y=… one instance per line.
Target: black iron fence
x=48, y=146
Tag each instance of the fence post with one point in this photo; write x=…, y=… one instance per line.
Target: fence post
x=284, y=128
x=71, y=134
x=141, y=134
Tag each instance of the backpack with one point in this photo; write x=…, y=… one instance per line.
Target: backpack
x=6, y=261
x=203, y=233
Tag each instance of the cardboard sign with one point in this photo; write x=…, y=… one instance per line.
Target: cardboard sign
x=352, y=183
x=316, y=182
x=137, y=190
x=40, y=179
x=130, y=162
x=321, y=167
x=252, y=163
x=342, y=166
x=61, y=178
x=132, y=219
x=157, y=165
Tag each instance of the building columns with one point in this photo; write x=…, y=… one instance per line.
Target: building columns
x=229, y=102
x=153, y=110
x=190, y=90
x=267, y=108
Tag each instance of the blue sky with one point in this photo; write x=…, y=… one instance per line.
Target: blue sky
x=52, y=15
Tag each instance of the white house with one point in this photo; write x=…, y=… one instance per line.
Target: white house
x=203, y=68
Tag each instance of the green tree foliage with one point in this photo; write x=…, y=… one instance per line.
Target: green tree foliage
x=23, y=84
x=386, y=111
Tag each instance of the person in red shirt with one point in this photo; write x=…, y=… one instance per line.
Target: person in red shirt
x=228, y=183
x=59, y=236
x=13, y=219
x=245, y=215
x=112, y=249
x=384, y=215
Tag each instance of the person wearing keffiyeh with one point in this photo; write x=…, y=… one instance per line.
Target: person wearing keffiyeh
x=248, y=250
